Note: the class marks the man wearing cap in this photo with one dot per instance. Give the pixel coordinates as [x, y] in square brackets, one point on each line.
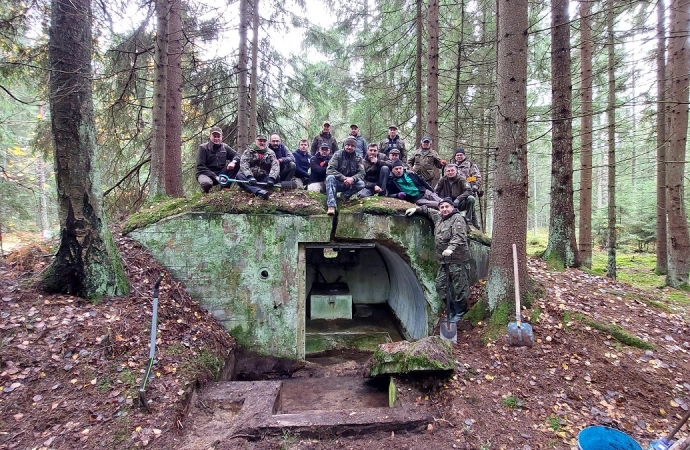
[376, 171]
[345, 173]
[324, 136]
[317, 168]
[213, 158]
[302, 158]
[361, 147]
[470, 171]
[258, 164]
[426, 163]
[454, 185]
[410, 187]
[284, 156]
[392, 156]
[450, 238]
[393, 141]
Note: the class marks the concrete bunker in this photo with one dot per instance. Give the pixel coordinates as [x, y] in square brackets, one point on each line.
[256, 273]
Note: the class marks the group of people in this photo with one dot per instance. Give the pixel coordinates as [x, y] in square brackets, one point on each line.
[358, 168]
[364, 170]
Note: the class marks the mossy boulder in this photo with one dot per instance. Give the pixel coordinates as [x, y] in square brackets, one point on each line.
[430, 354]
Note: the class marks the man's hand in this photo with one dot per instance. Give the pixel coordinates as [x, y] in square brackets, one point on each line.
[251, 181]
[374, 159]
[348, 181]
[377, 189]
[447, 252]
[271, 182]
[444, 162]
[402, 195]
[231, 165]
[410, 212]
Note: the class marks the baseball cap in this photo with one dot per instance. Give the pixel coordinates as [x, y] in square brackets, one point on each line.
[392, 127]
[216, 130]
[426, 138]
[261, 137]
[394, 150]
[325, 144]
[327, 123]
[354, 125]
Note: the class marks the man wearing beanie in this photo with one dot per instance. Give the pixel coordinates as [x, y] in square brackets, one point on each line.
[410, 187]
[450, 238]
[361, 145]
[470, 171]
[426, 163]
[214, 157]
[344, 174]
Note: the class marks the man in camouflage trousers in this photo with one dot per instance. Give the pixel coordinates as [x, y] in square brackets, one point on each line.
[258, 163]
[450, 237]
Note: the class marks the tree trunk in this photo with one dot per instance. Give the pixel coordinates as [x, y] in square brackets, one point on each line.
[611, 128]
[419, 30]
[562, 246]
[242, 129]
[173, 105]
[432, 76]
[585, 237]
[87, 263]
[679, 67]
[510, 183]
[661, 143]
[160, 82]
[254, 78]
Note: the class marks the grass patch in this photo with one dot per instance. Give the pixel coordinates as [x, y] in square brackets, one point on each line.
[615, 331]
[512, 402]
[498, 322]
[554, 423]
[536, 244]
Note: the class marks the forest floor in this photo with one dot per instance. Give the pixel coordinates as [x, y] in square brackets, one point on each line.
[71, 370]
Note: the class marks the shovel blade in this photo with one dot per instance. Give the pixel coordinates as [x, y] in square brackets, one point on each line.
[520, 335]
[449, 331]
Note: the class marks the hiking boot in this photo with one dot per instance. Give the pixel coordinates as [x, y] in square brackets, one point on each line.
[263, 194]
[331, 211]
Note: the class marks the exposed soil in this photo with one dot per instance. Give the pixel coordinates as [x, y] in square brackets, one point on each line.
[71, 370]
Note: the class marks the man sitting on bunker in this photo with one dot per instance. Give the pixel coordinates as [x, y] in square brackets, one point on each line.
[345, 173]
[213, 158]
[410, 187]
[258, 164]
[450, 238]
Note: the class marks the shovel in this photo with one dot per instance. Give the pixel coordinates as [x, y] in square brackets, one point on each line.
[449, 330]
[519, 334]
[152, 351]
[666, 442]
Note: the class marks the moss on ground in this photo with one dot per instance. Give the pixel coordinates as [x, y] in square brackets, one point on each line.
[615, 331]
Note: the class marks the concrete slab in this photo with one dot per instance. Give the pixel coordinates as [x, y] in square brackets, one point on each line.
[252, 409]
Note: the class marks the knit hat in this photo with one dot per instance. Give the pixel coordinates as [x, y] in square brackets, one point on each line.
[446, 200]
[350, 141]
[397, 163]
[459, 150]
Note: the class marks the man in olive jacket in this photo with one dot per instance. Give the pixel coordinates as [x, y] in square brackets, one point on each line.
[213, 158]
[450, 238]
[345, 173]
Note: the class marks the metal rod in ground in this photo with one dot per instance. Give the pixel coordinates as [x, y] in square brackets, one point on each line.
[152, 351]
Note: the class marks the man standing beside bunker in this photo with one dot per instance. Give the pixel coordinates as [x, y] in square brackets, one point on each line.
[450, 238]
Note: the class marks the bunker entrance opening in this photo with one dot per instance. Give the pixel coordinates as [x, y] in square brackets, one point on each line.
[357, 296]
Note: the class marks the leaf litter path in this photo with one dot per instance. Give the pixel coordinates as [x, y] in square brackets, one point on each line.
[70, 369]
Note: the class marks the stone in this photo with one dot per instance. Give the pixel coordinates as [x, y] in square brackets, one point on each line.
[430, 354]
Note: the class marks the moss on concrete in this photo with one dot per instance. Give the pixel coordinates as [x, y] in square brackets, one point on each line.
[428, 354]
[230, 201]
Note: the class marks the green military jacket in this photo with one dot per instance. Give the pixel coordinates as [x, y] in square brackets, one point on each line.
[449, 232]
[258, 164]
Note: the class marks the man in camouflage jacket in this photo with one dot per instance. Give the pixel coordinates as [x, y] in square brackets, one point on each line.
[258, 164]
[450, 238]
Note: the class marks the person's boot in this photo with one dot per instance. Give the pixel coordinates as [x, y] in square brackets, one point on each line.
[475, 223]
[263, 194]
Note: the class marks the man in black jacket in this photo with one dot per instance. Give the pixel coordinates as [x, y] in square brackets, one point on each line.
[410, 187]
[215, 157]
[324, 136]
[318, 164]
[376, 172]
[285, 158]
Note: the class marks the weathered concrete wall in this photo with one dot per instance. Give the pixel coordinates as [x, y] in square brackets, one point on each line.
[249, 270]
